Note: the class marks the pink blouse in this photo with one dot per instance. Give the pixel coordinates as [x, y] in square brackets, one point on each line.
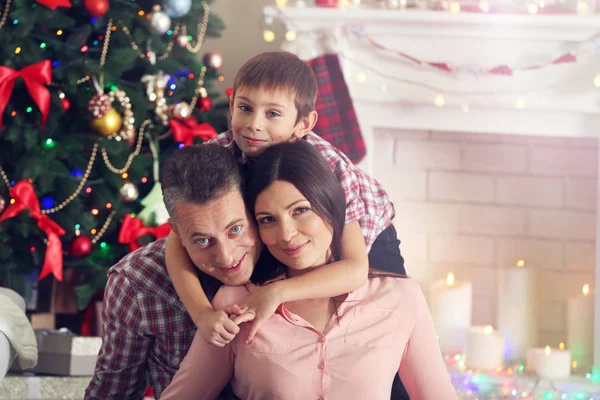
[380, 329]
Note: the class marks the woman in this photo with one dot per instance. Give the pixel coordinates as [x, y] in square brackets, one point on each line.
[342, 348]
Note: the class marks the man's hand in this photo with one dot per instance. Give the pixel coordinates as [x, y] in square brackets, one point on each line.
[217, 328]
[259, 306]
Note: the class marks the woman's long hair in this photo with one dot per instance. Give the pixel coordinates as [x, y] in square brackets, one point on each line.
[300, 164]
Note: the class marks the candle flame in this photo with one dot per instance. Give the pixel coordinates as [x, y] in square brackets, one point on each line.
[586, 289]
[547, 350]
[488, 330]
[561, 346]
[450, 279]
[520, 264]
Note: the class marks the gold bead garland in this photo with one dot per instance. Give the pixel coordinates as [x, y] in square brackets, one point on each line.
[5, 13]
[131, 156]
[104, 227]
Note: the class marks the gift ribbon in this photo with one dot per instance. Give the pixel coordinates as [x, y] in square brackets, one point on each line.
[133, 228]
[189, 129]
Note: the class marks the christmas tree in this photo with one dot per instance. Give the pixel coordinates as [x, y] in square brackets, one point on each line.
[94, 95]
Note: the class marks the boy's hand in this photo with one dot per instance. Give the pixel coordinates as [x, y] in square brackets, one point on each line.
[259, 306]
[217, 328]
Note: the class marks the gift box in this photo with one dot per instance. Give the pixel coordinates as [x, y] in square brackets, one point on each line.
[65, 354]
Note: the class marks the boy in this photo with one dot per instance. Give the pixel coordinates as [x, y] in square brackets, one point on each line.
[274, 101]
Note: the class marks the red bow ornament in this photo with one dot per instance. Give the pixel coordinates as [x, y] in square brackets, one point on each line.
[133, 228]
[52, 4]
[24, 196]
[35, 76]
[189, 129]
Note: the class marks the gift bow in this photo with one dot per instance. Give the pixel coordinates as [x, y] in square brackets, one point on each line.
[52, 4]
[190, 128]
[35, 76]
[133, 228]
[24, 196]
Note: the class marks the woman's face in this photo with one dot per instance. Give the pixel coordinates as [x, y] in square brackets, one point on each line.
[296, 235]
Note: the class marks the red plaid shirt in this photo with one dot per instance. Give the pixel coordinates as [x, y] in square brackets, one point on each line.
[147, 331]
[366, 201]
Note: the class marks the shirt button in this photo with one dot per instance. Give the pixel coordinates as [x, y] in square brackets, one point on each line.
[321, 365]
[321, 339]
[177, 352]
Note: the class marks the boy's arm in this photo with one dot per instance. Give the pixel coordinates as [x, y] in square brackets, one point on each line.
[335, 279]
[214, 326]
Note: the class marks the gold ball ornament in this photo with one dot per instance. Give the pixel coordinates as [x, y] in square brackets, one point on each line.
[109, 124]
[129, 192]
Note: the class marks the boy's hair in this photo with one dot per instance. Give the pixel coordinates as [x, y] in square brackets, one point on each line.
[199, 174]
[280, 70]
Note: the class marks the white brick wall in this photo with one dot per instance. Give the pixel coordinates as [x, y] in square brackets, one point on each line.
[471, 203]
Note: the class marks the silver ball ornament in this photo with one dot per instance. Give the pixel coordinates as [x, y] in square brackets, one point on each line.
[213, 59]
[160, 21]
[177, 8]
[129, 192]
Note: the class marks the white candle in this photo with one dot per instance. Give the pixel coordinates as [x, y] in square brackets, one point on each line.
[516, 309]
[580, 327]
[484, 348]
[450, 304]
[549, 363]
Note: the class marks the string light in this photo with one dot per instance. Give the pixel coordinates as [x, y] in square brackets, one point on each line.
[88, 190]
[281, 3]
[17, 50]
[12, 201]
[84, 49]
[42, 45]
[141, 13]
[93, 231]
[597, 80]
[50, 143]
[520, 103]
[532, 8]
[361, 77]
[109, 205]
[29, 109]
[454, 7]
[144, 180]
[95, 211]
[268, 35]
[484, 6]
[290, 36]
[221, 78]
[12, 114]
[103, 245]
[583, 7]
[439, 100]
[124, 175]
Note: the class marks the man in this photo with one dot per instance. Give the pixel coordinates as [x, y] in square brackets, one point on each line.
[147, 331]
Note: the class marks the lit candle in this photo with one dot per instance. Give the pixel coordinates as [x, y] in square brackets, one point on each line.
[484, 348]
[516, 309]
[580, 326]
[549, 363]
[450, 304]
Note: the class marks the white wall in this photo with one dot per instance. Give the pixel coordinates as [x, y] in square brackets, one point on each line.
[474, 203]
[243, 35]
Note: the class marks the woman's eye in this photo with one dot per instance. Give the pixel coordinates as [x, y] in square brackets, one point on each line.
[300, 210]
[265, 220]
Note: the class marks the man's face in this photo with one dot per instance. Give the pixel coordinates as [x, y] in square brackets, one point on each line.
[261, 118]
[220, 238]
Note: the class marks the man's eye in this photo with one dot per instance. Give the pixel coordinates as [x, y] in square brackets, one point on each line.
[202, 241]
[236, 229]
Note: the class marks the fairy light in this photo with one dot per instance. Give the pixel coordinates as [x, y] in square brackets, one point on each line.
[281, 3]
[14, 113]
[84, 49]
[454, 7]
[88, 190]
[50, 143]
[103, 245]
[59, 32]
[484, 6]
[520, 264]
[361, 77]
[268, 35]
[583, 7]
[144, 180]
[93, 231]
[221, 78]
[141, 13]
[32, 249]
[95, 211]
[439, 100]
[42, 45]
[561, 346]
[109, 205]
[124, 175]
[585, 289]
[12, 201]
[597, 80]
[29, 109]
[17, 50]
[290, 36]
[520, 103]
[532, 8]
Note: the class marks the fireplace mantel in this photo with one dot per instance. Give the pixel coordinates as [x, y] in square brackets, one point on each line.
[391, 92]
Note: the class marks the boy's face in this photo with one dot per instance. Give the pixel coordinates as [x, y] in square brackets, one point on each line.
[261, 118]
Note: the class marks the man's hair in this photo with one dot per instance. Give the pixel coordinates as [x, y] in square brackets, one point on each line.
[280, 70]
[199, 174]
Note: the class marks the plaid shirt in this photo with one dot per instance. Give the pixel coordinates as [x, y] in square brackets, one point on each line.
[147, 331]
[366, 201]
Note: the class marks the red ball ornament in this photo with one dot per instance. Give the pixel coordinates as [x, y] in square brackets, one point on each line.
[80, 247]
[205, 104]
[96, 8]
[66, 104]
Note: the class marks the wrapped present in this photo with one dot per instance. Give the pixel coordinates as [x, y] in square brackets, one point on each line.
[43, 387]
[63, 353]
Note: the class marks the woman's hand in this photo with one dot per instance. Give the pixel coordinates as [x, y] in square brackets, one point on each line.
[259, 306]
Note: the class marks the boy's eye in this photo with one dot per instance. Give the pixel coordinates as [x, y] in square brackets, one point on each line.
[244, 108]
[273, 114]
[236, 229]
